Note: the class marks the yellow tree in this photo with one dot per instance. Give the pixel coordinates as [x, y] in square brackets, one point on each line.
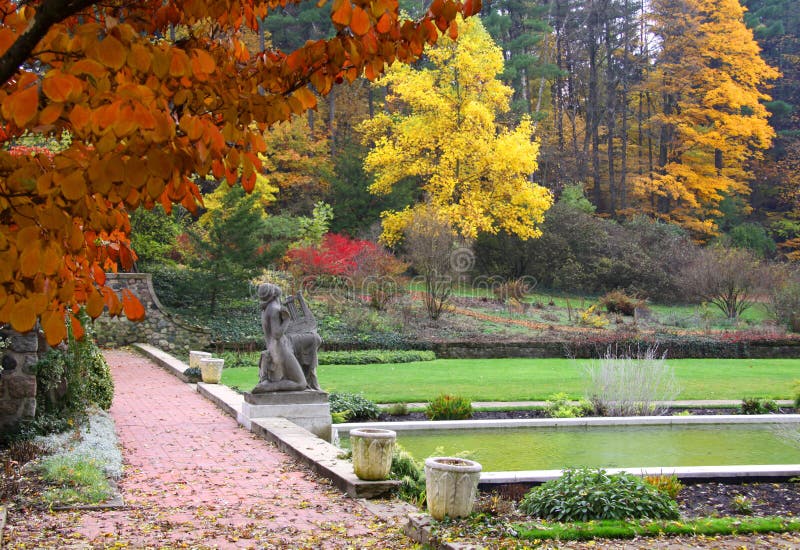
[146, 114]
[710, 78]
[441, 129]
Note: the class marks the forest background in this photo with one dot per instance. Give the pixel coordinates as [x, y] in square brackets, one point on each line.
[661, 126]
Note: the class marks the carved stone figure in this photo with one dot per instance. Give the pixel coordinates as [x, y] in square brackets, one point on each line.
[290, 361]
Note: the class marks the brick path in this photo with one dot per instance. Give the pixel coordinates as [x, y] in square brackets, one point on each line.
[195, 479]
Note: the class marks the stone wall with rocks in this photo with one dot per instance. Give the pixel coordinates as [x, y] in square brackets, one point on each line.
[160, 328]
[18, 377]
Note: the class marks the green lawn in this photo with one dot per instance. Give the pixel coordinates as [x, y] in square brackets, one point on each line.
[535, 379]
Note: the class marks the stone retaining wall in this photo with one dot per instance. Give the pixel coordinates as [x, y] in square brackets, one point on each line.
[18, 378]
[160, 328]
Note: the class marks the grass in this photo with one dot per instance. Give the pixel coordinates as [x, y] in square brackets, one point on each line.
[74, 480]
[627, 530]
[535, 379]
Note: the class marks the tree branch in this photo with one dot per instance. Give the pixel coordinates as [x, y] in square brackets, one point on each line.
[48, 14]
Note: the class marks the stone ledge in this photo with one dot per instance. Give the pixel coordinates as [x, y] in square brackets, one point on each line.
[163, 359]
[321, 456]
[226, 399]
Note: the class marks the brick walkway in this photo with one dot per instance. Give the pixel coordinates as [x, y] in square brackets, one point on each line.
[195, 479]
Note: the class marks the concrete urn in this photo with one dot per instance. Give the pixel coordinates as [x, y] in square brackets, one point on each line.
[372, 452]
[211, 370]
[451, 485]
[195, 356]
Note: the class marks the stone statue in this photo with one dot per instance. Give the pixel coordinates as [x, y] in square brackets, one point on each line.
[290, 361]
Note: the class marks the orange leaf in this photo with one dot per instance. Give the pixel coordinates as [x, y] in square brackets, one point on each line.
[94, 305]
[51, 113]
[134, 310]
[111, 53]
[23, 315]
[342, 11]
[139, 58]
[384, 24]
[203, 61]
[54, 328]
[73, 187]
[126, 256]
[80, 117]
[98, 274]
[77, 327]
[360, 22]
[30, 261]
[178, 63]
[59, 86]
[22, 106]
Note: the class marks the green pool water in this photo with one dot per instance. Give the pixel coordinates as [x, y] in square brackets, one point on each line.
[605, 446]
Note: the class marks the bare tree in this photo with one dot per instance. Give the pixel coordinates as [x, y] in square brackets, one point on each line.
[429, 244]
[729, 278]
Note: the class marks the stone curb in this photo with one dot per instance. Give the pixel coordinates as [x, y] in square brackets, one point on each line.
[163, 359]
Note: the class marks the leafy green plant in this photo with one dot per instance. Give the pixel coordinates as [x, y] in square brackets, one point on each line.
[588, 494]
[742, 505]
[397, 409]
[193, 374]
[71, 380]
[449, 407]
[559, 405]
[340, 417]
[796, 388]
[758, 405]
[359, 407]
[74, 480]
[669, 485]
[411, 475]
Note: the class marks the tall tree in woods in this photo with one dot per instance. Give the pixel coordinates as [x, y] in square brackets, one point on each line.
[441, 129]
[520, 28]
[776, 189]
[711, 122]
[145, 114]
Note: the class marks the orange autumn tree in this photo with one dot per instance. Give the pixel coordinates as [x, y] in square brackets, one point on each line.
[712, 122]
[145, 114]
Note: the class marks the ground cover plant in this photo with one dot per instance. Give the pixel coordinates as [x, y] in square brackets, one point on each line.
[536, 379]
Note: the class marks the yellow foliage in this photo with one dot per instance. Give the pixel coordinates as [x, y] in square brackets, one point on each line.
[713, 121]
[442, 130]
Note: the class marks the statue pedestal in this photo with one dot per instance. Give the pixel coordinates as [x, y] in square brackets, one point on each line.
[308, 409]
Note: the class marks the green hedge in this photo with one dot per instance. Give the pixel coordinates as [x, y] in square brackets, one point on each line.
[369, 357]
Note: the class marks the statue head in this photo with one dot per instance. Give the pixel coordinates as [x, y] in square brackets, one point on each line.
[268, 292]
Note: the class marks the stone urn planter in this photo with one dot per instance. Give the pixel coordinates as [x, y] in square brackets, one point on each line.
[451, 485]
[372, 452]
[211, 370]
[195, 356]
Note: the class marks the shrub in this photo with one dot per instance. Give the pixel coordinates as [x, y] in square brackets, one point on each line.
[359, 406]
[587, 494]
[559, 405]
[449, 407]
[630, 384]
[367, 357]
[70, 380]
[784, 299]
[397, 409]
[758, 405]
[411, 475]
[669, 485]
[193, 374]
[742, 505]
[515, 289]
[617, 301]
[591, 318]
[728, 278]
